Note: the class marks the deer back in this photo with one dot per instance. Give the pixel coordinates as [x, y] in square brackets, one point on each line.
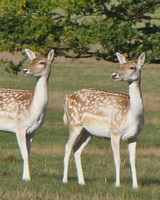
[90, 106]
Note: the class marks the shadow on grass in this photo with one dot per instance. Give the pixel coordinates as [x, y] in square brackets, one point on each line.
[11, 158]
[149, 181]
[71, 179]
[3, 173]
[146, 181]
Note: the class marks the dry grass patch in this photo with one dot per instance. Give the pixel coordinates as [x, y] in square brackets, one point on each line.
[47, 150]
[148, 151]
[151, 103]
[59, 150]
[83, 61]
[93, 150]
[56, 99]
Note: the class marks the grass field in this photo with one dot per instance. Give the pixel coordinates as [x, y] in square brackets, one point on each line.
[46, 161]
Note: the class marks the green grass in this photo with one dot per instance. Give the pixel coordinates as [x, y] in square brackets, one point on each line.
[46, 161]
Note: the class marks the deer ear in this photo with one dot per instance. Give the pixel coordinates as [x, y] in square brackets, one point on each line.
[30, 54]
[50, 55]
[141, 60]
[121, 58]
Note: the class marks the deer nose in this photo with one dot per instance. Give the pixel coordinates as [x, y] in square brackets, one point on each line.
[114, 75]
[25, 71]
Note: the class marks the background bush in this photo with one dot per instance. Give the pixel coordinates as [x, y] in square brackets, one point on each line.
[83, 28]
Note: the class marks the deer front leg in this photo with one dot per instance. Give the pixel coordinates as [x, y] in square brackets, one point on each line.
[21, 139]
[132, 155]
[115, 143]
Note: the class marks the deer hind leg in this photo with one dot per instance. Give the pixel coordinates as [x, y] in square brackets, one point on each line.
[29, 138]
[74, 133]
[132, 155]
[21, 139]
[115, 143]
[81, 143]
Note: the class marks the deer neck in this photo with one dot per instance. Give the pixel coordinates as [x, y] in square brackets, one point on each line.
[136, 101]
[40, 97]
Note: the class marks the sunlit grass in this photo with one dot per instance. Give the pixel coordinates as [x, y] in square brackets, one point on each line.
[46, 161]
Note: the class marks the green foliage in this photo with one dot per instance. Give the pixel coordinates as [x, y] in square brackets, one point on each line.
[125, 26]
[27, 24]
[13, 68]
[72, 27]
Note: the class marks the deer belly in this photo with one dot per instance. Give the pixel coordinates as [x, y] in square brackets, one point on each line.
[7, 125]
[96, 125]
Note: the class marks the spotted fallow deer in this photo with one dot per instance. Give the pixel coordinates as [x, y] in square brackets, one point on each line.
[23, 112]
[90, 112]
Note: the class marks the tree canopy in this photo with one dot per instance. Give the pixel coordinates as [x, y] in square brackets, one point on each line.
[83, 28]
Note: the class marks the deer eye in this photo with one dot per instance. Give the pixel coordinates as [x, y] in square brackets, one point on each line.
[132, 67]
[41, 62]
